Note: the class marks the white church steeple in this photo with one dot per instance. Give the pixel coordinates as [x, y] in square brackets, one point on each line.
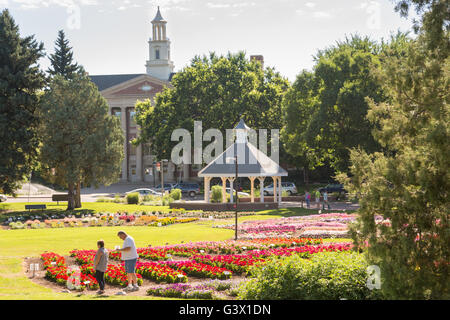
[159, 65]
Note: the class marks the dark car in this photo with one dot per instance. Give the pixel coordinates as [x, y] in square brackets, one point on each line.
[331, 188]
[192, 189]
[167, 187]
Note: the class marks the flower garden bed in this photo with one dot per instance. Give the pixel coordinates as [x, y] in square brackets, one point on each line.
[206, 272]
[331, 225]
[86, 219]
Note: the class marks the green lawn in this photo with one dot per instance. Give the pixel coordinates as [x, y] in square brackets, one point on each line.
[15, 245]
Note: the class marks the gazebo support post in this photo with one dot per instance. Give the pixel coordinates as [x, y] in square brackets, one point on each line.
[280, 197]
[261, 188]
[275, 184]
[224, 190]
[231, 190]
[252, 188]
[207, 187]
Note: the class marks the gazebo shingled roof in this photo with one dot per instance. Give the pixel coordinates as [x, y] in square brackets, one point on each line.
[252, 164]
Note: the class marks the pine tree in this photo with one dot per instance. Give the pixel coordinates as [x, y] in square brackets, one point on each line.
[407, 186]
[62, 60]
[20, 81]
[81, 139]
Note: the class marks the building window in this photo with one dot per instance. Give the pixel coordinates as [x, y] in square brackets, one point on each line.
[133, 170]
[146, 150]
[116, 112]
[132, 149]
[131, 119]
[157, 54]
[149, 171]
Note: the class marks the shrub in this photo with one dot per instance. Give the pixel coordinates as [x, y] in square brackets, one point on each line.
[326, 276]
[175, 194]
[167, 200]
[216, 194]
[118, 199]
[133, 198]
[17, 225]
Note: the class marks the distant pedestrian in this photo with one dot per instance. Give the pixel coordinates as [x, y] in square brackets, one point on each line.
[317, 196]
[129, 256]
[100, 265]
[325, 200]
[308, 199]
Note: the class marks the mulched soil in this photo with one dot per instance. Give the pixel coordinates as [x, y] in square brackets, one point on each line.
[38, 277]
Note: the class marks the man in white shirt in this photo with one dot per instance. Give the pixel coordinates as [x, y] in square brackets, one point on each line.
[129, 256]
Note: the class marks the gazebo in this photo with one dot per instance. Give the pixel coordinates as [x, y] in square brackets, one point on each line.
[251, 163]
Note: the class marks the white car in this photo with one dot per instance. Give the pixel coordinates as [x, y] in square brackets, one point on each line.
[288, 187]
[3, 198]
[145, 192]
[241, 194]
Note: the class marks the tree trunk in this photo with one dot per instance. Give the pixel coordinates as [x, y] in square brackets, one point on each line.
[71, 202]
[78, 196]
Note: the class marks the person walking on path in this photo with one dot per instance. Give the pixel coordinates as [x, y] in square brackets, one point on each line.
[317, 195]
[307, 198]
[100, 265]
[129, 256]
[325, 200]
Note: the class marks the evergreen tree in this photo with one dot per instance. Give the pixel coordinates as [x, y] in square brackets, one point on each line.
[62, 64]
[408, 185]
[20, 81]
[81, 139]
[62, 60]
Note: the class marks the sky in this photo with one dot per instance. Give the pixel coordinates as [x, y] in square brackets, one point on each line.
[111, 36]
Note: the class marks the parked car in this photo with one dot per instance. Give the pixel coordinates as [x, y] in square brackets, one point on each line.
[241, 194]
[145, 192]
[167, 187]
[288, 187]
[3, 198]
[331, 188]
[192, 189]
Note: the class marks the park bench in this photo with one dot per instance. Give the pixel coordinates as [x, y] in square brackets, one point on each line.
[60, 197]
[35, 207]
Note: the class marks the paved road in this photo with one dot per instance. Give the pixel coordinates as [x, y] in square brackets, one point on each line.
[92, 194]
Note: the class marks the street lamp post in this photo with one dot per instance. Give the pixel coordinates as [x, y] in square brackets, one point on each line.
[235, 159]
[237, 201]
[162, 175]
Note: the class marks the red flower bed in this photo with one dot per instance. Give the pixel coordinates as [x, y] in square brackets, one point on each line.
[116, 275]
[127, 218]
[152, 254]
[61, 275]
[83, 256]
[115, 255]
[159, 272]
[201, 270]
[52, 259]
